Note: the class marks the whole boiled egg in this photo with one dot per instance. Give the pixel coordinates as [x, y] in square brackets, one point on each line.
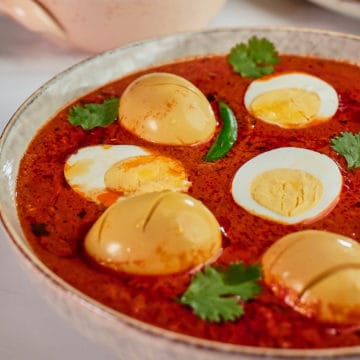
[103, 173]
[317, 273]
[291, 100]
[166, 109]
[156, 233]
[288, 185]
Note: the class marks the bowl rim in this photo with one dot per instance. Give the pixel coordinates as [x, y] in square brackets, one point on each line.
[152, 331]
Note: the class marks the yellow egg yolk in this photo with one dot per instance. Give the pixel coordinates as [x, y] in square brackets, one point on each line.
[143, 174]
[287, 107]
[288, 192]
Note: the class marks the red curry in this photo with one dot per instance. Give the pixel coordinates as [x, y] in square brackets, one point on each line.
[55, 219]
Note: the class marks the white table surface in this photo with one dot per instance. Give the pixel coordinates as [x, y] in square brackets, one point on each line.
[29, 328]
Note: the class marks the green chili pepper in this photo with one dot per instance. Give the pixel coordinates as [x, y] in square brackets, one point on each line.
[227, 136]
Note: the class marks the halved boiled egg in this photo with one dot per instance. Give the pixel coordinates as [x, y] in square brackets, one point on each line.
[288, 185]
[142, 174]
[291, 100]
[317, 273]
[103, 173]
[166, 109]
[155, 234]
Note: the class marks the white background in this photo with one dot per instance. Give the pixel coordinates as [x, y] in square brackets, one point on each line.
[29, 328]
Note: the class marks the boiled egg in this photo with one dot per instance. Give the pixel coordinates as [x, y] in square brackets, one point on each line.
[291, 100]
[103, 173]
[288, 185]
[317, 273]
[166, 109]
[155, 234]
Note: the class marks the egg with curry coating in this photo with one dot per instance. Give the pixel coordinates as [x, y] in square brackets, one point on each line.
[156, 233]
[317, 273]
[164, 108]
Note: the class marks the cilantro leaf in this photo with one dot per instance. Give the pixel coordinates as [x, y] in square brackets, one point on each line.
[348, 145]
[247, 274]
[90, 115]
[254, 59]
[214, 294]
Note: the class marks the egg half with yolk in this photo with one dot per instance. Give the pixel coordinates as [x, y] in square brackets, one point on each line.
[103, 173]
[288, 185]
[156, 233]
[317, 273]
[291, 100]
[166, 109]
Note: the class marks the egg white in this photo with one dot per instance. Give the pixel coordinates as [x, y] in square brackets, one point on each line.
[329, 101]
[312, 162]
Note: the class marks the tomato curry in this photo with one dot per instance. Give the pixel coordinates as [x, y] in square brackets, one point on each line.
[55, 219]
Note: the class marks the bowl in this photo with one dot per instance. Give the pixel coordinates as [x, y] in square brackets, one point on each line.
[345, 7]
[101, 25]
[129, 337]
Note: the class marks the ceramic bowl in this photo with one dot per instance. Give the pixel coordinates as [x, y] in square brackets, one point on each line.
[129, 338]
[345, 7]
[99, 25]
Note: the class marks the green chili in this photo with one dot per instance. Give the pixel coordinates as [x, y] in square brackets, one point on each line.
[227, 136]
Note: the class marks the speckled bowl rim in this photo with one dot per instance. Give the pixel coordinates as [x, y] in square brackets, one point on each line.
[155, 332]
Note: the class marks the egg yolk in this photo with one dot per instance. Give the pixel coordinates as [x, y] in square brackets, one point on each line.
[288, 192]
[155, 234]
[293, 107]
[142, 174]
[317, 273]
[166, 109]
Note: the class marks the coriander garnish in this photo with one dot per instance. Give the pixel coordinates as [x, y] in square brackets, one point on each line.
[348, 145]
[254, 59]
[216, 294]
[93, 115]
